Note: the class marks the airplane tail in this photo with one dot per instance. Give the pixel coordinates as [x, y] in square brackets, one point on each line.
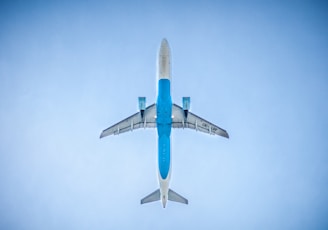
[172, 196]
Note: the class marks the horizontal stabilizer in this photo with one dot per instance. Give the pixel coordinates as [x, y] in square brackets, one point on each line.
[173, 196]
[155, 196]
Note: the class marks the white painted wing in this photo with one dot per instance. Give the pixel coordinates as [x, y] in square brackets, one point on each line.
[194, 122]
[135, 121]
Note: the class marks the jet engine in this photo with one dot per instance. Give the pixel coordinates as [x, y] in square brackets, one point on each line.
[186, 106]
[142, 105]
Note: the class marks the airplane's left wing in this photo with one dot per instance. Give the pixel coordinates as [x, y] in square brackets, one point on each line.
[186, 119]
[135, 121]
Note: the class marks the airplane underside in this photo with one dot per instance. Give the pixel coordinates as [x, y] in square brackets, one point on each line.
[164, 115]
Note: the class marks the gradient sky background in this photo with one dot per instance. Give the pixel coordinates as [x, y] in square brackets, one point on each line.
[70, 69]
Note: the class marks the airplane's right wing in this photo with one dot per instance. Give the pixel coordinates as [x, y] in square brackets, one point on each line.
[135, 121]
[192, 121]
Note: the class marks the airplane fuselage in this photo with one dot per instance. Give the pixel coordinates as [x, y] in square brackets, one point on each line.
[164, 120]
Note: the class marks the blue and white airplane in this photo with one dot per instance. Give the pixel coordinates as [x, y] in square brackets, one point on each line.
[164, 115]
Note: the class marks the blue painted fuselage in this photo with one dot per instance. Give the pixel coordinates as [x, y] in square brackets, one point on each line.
[164, 121]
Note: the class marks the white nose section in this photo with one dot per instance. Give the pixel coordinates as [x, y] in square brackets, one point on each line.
[164, 61]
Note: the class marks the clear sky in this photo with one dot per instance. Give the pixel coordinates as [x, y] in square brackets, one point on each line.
[69, 69]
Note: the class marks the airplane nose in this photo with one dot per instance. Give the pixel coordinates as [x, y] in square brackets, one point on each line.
[164, 64]
[164, 40]
[164, 47]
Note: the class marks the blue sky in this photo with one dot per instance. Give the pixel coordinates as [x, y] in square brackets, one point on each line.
[258, 69]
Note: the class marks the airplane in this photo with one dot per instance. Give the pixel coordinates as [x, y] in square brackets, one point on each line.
[164, 115]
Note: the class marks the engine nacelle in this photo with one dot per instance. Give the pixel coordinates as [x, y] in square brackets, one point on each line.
[186, 105]
[142, 105]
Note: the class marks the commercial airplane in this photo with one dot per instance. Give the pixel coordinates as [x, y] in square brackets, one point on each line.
[164, 115]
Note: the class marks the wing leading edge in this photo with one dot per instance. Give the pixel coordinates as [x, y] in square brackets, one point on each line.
[192, 121]
[135, 121]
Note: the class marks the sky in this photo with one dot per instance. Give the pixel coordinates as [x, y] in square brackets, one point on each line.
[69, 69]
